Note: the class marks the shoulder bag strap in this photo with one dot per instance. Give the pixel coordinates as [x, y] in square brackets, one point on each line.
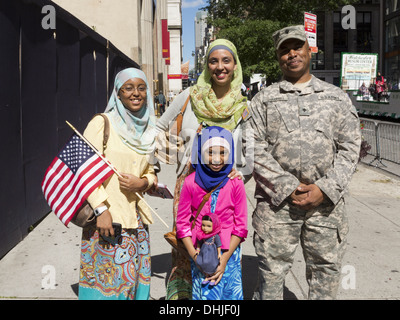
[106, 130]
[205, 199]
[179, 117]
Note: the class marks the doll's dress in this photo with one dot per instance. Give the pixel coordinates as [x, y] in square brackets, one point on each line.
[207, 259]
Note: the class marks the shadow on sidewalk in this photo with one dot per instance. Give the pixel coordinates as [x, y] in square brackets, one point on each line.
[250, 274]
[161, 264]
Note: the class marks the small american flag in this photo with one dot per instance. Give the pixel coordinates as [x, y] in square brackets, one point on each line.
[72, 176]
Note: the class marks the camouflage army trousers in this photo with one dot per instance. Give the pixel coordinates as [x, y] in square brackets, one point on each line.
[322, 235]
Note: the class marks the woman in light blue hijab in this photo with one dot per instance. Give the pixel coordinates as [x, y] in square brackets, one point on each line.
[130, 112]
[136, 129]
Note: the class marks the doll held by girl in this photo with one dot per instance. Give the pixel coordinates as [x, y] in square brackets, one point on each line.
[209, 246]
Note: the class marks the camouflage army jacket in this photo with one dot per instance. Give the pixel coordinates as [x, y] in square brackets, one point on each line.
[310, 135]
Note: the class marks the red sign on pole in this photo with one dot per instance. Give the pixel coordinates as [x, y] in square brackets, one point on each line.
[310, 27]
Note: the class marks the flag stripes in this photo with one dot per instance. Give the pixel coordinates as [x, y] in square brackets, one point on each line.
[66, 186]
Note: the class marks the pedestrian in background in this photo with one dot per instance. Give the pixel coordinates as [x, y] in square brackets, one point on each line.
[380, 86]
[119, 267]
[306, 136]
[161, 102]
[216, 99]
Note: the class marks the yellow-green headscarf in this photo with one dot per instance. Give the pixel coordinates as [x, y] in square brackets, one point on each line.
[204, 102]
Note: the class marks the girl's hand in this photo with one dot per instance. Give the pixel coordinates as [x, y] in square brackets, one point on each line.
[217, 276]
[131, 183]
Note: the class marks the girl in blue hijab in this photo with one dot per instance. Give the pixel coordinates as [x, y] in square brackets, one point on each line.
[213, 136]
[213, 159]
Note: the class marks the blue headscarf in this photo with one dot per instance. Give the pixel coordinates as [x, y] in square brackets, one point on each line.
[204, 176]
[136, 129]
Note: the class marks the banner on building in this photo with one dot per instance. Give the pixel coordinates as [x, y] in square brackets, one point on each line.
[185, 70]
[165, 38]
[174, 76]
[168, 60]
[310, 27]
[358, 68]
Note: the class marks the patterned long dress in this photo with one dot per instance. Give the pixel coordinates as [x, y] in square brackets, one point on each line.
[179, 285]
[229, 288]
[117, 269]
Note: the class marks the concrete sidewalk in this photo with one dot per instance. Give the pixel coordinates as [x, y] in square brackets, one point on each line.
[45, 265]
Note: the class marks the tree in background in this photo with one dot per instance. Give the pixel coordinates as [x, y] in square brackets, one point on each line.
[249, 24]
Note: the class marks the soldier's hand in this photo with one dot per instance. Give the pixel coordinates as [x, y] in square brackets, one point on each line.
[298, 195]
[235, 174]
[314, 197]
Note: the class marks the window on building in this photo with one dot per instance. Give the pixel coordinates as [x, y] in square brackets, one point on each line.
[392, 6]
[336, 81]
[364, 32]
[392, 49]
[337, 60]
[392, 35]
[318, 59]
[340, 39]
[370, 1]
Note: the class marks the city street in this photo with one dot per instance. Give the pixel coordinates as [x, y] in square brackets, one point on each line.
[45, 265]
[65, 60]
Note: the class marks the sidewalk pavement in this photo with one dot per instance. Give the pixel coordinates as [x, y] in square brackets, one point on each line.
[45, 265]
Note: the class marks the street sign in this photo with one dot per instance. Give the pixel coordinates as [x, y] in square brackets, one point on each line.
[310, 27]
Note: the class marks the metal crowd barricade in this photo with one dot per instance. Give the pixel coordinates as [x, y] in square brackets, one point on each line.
[389, 141]
[384, 139]
[369, 134]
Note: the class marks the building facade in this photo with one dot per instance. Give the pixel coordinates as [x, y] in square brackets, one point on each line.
[200, 26]
[204, 35]
[333, 39]
[134, 27]
[175, 44]
[376, 31]
[391, 38]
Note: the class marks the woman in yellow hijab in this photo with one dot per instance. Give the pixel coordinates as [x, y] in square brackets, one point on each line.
[215, 100]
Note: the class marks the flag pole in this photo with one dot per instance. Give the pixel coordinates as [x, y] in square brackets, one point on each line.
[113, 168]
[141, 198]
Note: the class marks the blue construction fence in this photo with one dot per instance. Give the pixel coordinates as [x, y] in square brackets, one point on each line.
[47, 76]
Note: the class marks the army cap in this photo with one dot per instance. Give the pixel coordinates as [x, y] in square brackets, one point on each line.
[292, 32]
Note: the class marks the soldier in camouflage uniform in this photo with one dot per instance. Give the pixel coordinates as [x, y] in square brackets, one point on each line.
[306, 136]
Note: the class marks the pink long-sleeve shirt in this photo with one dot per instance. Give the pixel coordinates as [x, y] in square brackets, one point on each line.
[231, 209]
